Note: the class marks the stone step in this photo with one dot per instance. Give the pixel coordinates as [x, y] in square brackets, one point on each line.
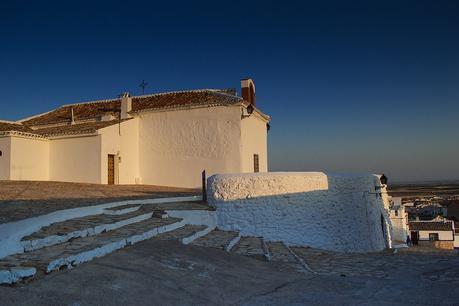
[123, 209]
[279, 252]
[79, 250]
[181, 233]
[217, 239]
[250, 246]
[61, 232]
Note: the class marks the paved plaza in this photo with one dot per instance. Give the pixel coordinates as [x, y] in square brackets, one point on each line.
[159, 272]
[21, 200]
[138, 255]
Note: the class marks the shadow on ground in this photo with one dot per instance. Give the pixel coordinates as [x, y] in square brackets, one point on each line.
[166, 272]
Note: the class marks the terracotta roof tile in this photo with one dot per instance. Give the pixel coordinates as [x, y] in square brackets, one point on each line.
[430, 226]
[80, 111]
[186, 98]
[96, 109]
[81, 128]
[9, 126]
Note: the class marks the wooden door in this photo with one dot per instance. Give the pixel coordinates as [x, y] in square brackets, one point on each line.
[111, 169]
[414, 237]
[256, 163]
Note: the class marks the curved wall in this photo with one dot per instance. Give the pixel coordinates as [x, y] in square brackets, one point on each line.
[328, 211]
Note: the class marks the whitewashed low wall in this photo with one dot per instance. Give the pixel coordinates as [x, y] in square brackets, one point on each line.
[327, 211]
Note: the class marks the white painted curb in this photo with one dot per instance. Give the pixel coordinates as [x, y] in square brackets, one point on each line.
[190, 239]
[77, 259]
[31, 245]
[11, 233]
[233, 242]
[12, 275]
[121, 211]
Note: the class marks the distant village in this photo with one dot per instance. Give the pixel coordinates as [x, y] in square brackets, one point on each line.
[431, 221]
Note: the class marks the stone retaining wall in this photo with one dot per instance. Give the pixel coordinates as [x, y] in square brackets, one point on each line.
[446, 245]
[328, 211]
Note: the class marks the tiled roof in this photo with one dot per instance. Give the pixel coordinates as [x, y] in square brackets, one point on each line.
[185, 98]
[80, 128]
[82, 111]
[430, 226]
[45, 124]
[11, 126]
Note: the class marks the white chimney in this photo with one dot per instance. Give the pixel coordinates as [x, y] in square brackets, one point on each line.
[73, 118]
[126, 105]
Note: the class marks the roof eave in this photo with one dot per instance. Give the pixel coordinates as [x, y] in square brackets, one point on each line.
[21, 134]
[177, 108]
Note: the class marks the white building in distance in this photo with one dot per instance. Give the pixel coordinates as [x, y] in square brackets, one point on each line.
[164, 139]
[399, 220]
[439, 233]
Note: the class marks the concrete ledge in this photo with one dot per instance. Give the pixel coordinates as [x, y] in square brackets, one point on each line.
[12, 275]
[233, 242]
[121, 211]
[197, 235]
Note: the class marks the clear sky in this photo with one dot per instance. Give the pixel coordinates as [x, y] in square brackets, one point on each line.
[352, 86]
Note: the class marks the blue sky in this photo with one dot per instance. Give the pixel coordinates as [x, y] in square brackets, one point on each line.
[352, 86]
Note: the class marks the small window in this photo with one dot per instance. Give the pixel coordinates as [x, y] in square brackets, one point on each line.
[1, 153]
[256, 163]
[433, 236]
[396, 213]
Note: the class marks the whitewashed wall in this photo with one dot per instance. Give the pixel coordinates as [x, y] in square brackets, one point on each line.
[29, 159]
[333, 212]
[442, 235]
[76, 159]
[5, 159]
[175, 146]
[125, 146]
[254, 140]
[168, 148]
[398, 219]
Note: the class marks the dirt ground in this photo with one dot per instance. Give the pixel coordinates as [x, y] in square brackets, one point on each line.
[426, 189]
[158, 272]
[24, 199]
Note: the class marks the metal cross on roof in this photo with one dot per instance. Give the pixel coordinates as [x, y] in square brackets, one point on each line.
[143, 85]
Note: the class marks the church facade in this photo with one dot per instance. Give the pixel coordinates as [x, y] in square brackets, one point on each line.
[164, 139]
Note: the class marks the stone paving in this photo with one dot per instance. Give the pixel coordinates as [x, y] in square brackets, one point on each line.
[181, 233]
[279, 252]
[78, 224]
[380, 265]
[216, 239]
[42, 257]
[158, 272]
[122, 208]
[250, 246]
[25, 199]
[31, 201]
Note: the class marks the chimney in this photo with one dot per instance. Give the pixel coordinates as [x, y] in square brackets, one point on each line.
[248, 90]
[73, 117]
[126, 105]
